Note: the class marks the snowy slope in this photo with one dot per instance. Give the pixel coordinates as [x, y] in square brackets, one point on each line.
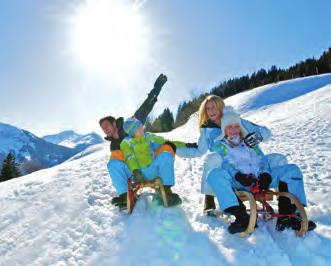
[63, 215]
[71, 139]
[28, 147]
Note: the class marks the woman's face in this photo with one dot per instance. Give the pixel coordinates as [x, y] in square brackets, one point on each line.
[232, 130]
[213, 113]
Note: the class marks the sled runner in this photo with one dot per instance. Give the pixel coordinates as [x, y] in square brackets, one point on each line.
[267, 211]
[134, 187]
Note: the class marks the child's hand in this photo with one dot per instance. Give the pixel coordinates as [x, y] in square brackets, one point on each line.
[252, 139]
[264, 180]
[138, 175]
[244, 179]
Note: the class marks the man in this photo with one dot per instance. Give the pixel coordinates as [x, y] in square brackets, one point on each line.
[113, 128]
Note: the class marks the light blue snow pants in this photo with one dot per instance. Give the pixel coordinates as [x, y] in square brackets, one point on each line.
[224, 185]
[214, 160]
[162, 166]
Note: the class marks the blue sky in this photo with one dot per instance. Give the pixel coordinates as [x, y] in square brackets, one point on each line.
[45, 88]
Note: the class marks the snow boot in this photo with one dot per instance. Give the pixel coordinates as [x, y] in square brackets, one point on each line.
[286, 207]
[242, 219]
[120, 201]
[295, 224]
[173, 198]
[209, 206]
[283, 223]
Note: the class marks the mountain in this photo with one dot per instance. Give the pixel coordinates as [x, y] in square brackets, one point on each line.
[63, 215]
[73, 140]
[31, 152]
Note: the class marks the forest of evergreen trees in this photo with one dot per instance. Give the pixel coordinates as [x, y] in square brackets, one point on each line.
[9, 168]
[311, 66]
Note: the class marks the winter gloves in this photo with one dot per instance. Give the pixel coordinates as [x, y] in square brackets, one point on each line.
[160, 81]
[252, 139]
[191, 145]
[263, 180]
[244, 179]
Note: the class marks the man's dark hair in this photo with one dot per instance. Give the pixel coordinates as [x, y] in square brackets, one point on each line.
[111, 119]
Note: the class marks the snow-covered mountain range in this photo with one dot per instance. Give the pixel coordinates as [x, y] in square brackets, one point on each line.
[30, 151]
[34, 153]
[71, 139]
[63, 215]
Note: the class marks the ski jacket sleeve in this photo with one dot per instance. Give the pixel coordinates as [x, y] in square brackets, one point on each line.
[251, 127]
[129, 157]
[147, 106]
[220, 148]
[195, 152]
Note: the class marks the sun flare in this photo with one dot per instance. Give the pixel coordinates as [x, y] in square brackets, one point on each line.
[109, 37]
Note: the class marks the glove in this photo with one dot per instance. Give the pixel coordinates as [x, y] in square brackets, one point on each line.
[244, 179]
[160, 81]
[252, 139]
[191, 145]
[138, 175]
[264, 181]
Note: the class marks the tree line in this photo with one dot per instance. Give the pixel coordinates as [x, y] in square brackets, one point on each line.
[10, 168]
[311, 66]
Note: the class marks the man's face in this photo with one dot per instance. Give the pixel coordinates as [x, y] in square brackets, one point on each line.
[232, 130]
[109, 129]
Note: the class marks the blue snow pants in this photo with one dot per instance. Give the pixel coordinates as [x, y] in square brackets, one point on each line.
[224, 185]
[162, 166]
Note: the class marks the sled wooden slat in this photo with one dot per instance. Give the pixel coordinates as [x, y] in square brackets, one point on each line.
[253, 210]
[155, 184]
[268, 196]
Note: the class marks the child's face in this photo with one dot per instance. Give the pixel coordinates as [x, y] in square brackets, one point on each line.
[232, 130]
[139, 132]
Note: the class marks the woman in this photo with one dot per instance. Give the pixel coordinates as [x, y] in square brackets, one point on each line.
[210, 115]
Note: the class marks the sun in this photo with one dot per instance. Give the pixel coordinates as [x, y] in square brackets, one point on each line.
[108, 36]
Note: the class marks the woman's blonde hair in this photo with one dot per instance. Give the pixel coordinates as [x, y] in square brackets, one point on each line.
[203, 116]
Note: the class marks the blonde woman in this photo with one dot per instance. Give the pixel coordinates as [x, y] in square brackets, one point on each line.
[210, 115]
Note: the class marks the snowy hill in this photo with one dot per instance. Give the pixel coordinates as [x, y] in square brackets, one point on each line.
[73, 140]
[63, 215]
[29, 149]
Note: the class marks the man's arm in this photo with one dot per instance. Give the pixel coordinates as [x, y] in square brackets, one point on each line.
[147, 106]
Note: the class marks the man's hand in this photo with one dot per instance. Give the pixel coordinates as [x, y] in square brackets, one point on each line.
[160, 81]
[138, 175]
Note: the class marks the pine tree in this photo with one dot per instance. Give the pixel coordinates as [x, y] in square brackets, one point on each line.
[167, 120]
[9, 168]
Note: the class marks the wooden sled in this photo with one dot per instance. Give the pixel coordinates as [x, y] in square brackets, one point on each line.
[267, 211]
[134, 187]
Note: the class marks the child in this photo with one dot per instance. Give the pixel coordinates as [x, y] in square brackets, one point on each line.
[148, 158]
[243, 166]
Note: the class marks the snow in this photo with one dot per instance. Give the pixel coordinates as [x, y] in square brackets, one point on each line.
[71, 139]
[63, 215]
[11, 138]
